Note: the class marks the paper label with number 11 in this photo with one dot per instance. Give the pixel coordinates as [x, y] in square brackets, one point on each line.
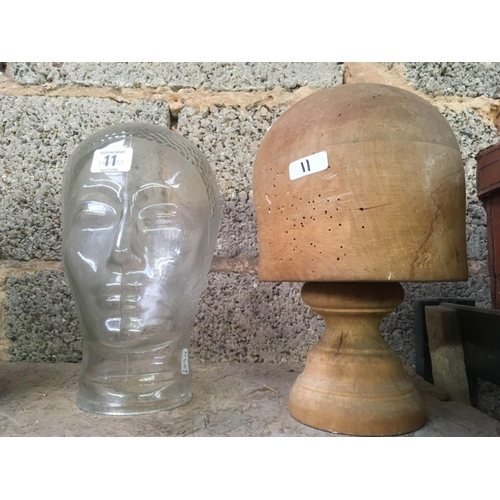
[114, 158]
[308, 165]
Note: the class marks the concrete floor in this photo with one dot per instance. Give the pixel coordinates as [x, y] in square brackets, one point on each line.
[228, 400]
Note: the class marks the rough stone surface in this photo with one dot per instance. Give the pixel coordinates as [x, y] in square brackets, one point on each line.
[470, 79]
[473, 134]
[238, 232]
[241, 319]
[477, 235]
[37, 134]
[41, 320]
[243, 399]
[211, 76]
[229, 138]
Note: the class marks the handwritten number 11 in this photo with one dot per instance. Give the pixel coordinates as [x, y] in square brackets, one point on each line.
[308, 166]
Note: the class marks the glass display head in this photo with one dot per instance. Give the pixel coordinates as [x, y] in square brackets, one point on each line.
[140, 224]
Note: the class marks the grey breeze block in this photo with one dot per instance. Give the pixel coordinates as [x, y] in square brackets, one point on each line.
[230, 138]
[229, 76]
[469, 79]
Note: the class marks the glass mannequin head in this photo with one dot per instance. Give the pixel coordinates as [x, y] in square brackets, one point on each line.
[140, 223]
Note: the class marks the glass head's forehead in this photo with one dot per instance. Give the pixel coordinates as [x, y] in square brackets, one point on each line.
[157, 173]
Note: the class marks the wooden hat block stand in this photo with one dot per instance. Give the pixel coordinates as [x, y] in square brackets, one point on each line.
[387, 206]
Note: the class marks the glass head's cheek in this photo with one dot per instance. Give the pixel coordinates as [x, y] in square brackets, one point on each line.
[79, 261]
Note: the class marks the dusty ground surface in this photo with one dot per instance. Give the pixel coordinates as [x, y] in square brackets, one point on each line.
[241, 399]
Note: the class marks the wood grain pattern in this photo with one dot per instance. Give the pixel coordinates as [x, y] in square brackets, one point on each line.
[353, 382]
[390, 206]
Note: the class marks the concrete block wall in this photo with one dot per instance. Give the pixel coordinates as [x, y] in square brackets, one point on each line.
[46, 109]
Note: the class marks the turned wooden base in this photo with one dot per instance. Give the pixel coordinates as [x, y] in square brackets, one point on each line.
[353, 382]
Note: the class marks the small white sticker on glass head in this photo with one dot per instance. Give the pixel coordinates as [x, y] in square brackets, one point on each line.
[308, 165]
[185, 362]
[114, 158]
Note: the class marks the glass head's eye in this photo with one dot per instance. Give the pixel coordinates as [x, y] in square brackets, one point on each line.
[162, 216]
[95, 215]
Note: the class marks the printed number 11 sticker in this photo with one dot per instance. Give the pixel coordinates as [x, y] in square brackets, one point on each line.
[112, 160]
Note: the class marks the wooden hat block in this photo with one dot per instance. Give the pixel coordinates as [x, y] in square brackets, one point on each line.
[387, 205]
